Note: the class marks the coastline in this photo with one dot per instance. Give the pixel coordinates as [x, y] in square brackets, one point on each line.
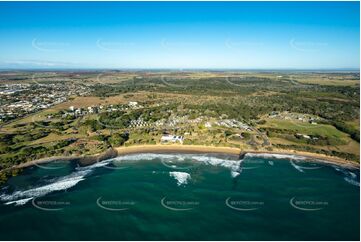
[82, 160]
[176, 148]
[313, 157]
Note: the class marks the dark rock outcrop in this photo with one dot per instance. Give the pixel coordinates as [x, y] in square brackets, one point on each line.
[89, 160]
[242, 155]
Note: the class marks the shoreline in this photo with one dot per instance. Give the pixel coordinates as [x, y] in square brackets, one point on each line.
[82, 160]
[195, 149]
[175, 148]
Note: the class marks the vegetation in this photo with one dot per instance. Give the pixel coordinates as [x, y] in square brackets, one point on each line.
[182, 103]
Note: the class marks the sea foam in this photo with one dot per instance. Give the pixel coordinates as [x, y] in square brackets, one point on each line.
[20, 201]
[352, 181]
[181, 177]
[233, 165]
[349, 177]
[21, 197]
[276, 156]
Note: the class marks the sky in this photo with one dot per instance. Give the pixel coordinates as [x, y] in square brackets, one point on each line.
[180, 35]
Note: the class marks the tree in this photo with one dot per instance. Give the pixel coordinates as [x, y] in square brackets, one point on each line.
[118, 139]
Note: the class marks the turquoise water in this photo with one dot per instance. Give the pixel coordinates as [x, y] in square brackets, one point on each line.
[183, 197]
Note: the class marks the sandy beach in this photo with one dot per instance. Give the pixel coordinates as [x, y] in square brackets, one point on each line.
[176, 148]
[173, 148]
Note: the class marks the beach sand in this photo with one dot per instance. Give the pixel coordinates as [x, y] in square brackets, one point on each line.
[177, 148]
[174, 148]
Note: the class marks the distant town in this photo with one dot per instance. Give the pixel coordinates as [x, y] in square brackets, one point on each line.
[18, 100]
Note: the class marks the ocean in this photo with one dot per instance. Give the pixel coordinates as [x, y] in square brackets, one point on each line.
[183, 197]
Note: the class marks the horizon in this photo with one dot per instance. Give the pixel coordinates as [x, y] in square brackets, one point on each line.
[60, 69]
[263, 36]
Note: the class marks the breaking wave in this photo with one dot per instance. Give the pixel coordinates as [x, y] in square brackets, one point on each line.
[19, 202]
[181, 177]
[349, 176]
[232, 164]
[234, 174]
[96, 165]
[21, 197]
[276, 156]
[352, 181]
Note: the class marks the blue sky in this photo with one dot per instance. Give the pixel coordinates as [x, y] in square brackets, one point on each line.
[235, 35]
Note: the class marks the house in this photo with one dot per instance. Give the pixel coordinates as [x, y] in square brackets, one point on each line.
[171, 138]
[306, 136]
[298, 135]
[133, 104]
[91, 110]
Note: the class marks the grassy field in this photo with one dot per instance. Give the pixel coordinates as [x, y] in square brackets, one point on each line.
[355, 124]
[346, 144]
[324, 79]
[305, 128]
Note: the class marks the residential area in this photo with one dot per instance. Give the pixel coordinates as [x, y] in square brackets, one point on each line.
[18, 100]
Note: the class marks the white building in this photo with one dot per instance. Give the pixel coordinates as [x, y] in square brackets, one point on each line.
[172, 138]
[208, 125]
[133, 104]
[91, 110]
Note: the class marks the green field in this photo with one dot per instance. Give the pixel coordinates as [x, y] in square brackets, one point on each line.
[306, 128]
